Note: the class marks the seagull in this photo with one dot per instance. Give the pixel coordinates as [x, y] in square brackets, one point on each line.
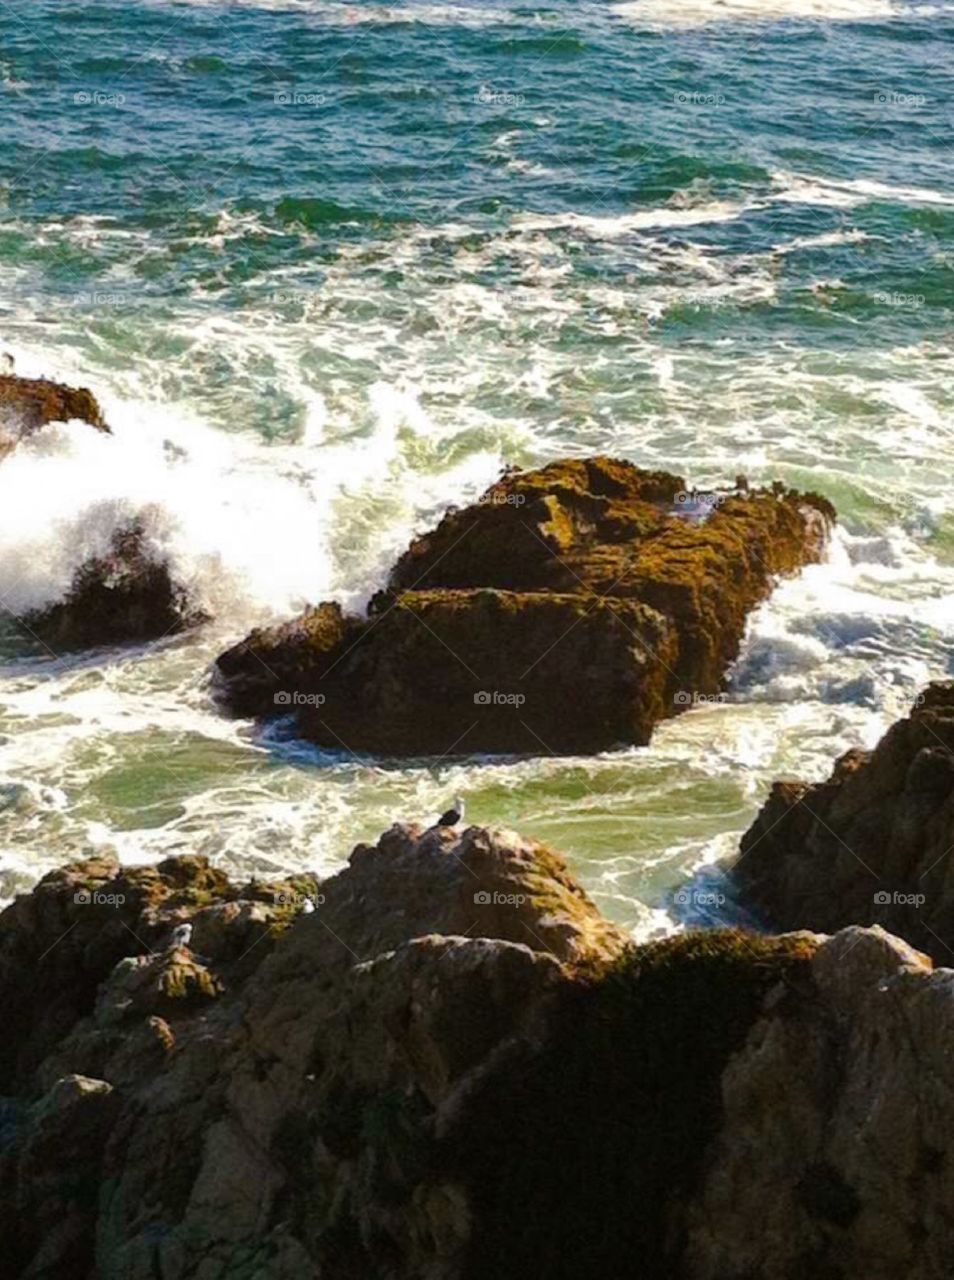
[453, 815]
[6, 363]
[182, 935]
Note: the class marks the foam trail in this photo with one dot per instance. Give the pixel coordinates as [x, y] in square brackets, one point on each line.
[868, 628]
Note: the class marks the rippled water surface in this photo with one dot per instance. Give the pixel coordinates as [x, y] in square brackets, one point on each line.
[330, 266]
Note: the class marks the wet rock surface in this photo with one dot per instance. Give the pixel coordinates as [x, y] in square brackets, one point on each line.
[124, 597]
[570, 609]
[874, 844]
[26, 404]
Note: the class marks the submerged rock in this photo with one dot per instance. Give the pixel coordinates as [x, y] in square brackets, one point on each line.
[26, 404]
[570, 609]
[382, 1085]
[872, 845]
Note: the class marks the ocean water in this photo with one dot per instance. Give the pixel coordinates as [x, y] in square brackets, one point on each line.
[330, 266]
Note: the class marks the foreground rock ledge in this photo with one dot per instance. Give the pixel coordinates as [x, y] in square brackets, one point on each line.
[570, 609]
[872, 845]
[124, 596]
[454, 1067]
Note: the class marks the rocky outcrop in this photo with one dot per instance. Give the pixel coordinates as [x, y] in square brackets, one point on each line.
[26, 404]
[833, 1156]
[122, 597]
[272, 1094]
[570, 609]
[60, 943]
[872, 845]
[453, 1067]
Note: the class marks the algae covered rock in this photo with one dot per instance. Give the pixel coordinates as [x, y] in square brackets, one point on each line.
[871, 845]
[274, 660]
[570, 609]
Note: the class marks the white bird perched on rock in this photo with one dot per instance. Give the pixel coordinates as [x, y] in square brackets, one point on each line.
[453, 815]
[182, 935]
[6, 363]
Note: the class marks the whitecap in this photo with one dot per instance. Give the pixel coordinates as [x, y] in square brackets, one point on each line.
[847, 193]
[699, 13]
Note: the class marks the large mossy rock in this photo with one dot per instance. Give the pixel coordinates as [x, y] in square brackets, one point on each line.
[570, 609]
[874, 844]
[26, 404]
[454, 1067]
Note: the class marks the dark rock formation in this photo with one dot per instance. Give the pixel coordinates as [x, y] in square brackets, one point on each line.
[276, 1120]
[833, 1156]
[125, 595]
[26, 404]
[454, 1067]
[273, 659]
[570, 609]
[119, 598]
[872, 845]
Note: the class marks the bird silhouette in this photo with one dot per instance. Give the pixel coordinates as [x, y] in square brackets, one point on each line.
[453, 815]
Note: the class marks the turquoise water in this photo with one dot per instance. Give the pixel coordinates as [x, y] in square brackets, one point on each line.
[329, 266]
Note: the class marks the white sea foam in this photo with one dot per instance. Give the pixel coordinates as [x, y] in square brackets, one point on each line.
[246, 527]
[866, 628]
[333, 13]
[824, 240]
[226, 524]
[675, 14]
[846, 193]
[607, 228]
